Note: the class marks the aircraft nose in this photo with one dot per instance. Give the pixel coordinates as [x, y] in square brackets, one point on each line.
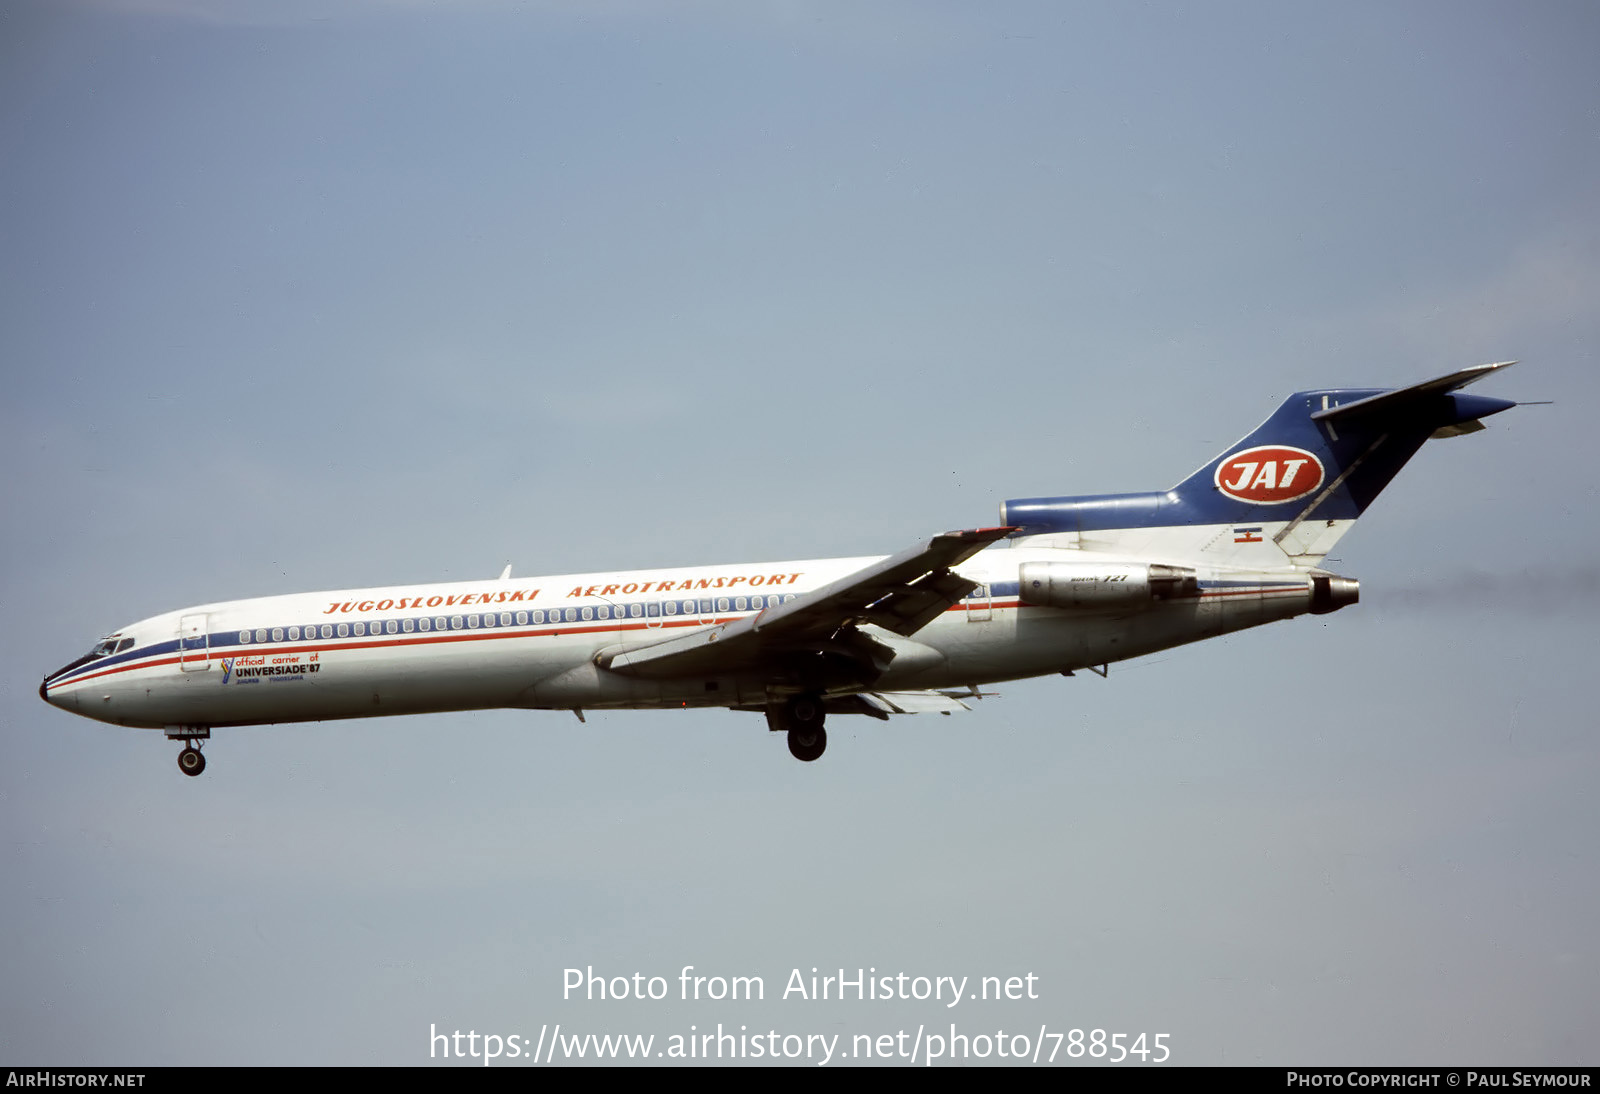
[44, 686]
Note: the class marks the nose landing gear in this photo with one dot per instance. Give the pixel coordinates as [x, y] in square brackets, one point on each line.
[191, 761]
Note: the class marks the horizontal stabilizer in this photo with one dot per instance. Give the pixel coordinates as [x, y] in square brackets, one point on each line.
[1399, 402]
[1461, 430]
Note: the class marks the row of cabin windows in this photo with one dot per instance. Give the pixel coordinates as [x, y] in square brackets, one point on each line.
[654, 609]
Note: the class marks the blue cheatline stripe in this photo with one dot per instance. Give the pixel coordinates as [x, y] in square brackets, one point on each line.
[1002, 595]
[209, 645]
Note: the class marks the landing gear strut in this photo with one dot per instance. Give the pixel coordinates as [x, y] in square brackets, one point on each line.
[802, 718]
[191, 761]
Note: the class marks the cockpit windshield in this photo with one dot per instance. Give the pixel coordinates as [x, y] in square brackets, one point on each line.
[109, 646]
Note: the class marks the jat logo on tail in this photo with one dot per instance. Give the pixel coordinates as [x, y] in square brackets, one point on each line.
[1270, 474]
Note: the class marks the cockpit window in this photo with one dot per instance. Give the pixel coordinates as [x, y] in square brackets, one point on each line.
[108, 646]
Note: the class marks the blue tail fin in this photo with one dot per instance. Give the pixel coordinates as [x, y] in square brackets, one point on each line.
[1285, 493]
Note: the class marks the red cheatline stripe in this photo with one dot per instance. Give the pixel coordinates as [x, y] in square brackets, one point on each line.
[435, 638]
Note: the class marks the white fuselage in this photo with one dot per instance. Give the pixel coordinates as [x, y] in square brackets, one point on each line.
[534, 642]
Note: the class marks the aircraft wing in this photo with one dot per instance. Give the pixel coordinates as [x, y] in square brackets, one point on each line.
[901, 593]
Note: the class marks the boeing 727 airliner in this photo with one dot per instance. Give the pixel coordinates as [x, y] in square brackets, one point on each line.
[1062, 584]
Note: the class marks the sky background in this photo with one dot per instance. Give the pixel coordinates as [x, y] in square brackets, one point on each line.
[317, 295]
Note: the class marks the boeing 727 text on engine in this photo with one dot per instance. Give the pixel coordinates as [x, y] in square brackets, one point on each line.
[1062, 584]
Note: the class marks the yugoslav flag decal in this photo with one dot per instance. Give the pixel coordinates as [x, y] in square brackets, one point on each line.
[1270, 474]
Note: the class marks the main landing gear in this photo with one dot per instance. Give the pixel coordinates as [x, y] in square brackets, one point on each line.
[802, 718]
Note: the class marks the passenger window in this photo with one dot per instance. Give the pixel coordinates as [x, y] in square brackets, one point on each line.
[488, 619]
[261, 635]
[588, 613]
[538, 615]
[740, 603]
[244, 637]
[441, 624]
[455, 622]
[390, 626]
[424, 623]
[636, 611]
[472, 622]
[672, 607]
[522, 619]
[722, 604]
[344, 630]
[277, 634]
[652, 609]
[408, 625]
[572, 614]
[327, 630]
[294, 634]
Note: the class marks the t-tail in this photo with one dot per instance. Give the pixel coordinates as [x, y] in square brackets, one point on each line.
[1281, 496]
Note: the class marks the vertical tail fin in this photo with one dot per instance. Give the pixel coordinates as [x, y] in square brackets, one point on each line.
[1285, 493]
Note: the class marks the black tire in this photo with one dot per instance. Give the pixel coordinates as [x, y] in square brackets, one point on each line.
[191, 761]
[808, 744]
[805, 712]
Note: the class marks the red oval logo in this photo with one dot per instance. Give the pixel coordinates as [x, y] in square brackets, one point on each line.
[1270, 474]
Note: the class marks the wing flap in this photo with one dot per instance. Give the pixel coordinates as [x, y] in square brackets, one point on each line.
[914, 702]
[901, 593]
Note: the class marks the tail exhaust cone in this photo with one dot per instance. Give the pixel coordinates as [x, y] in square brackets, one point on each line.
[1329, 593]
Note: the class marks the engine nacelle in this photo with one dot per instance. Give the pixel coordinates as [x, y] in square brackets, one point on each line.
[1112, 585]
[1329, 593]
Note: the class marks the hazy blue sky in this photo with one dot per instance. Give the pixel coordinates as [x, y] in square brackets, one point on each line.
[316, 295]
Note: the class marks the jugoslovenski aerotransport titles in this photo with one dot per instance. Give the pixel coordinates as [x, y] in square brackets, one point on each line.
[1062, 584]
